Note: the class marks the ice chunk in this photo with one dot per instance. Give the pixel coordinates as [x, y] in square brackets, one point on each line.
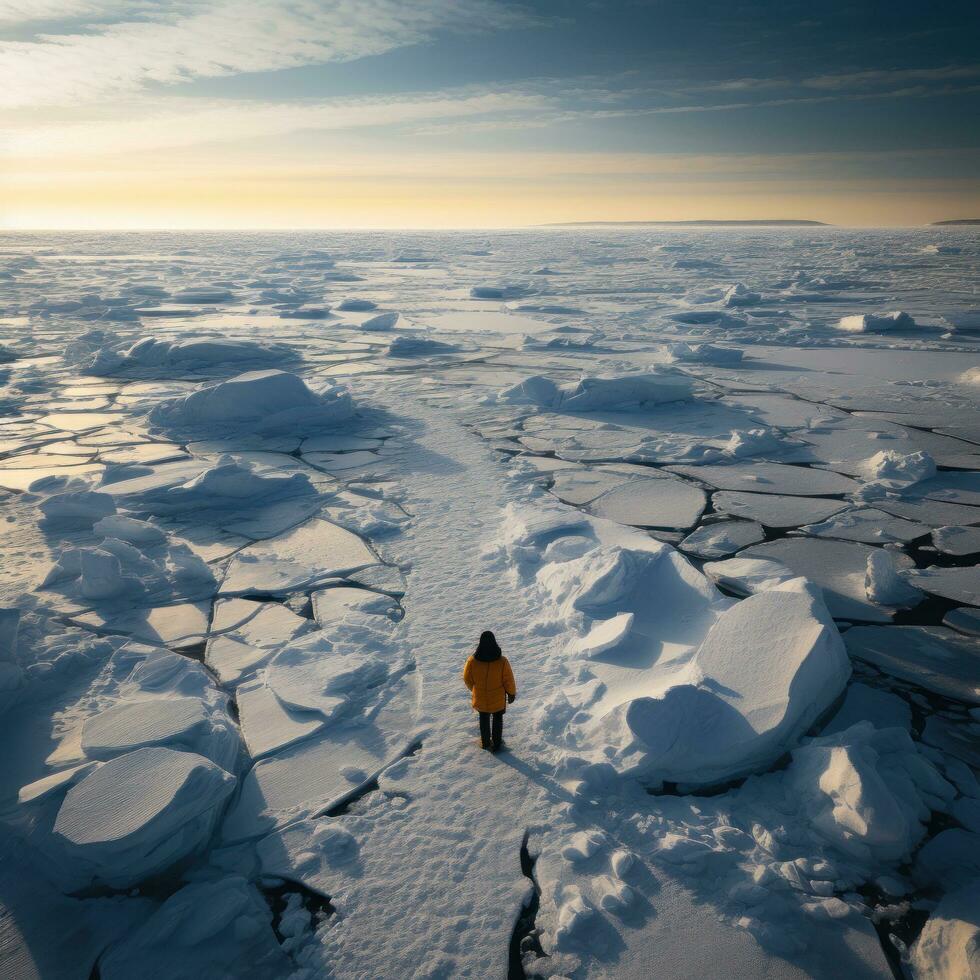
[312, 674]
[662, 502]
[740, 295]
[838, 567]
[948, 948]
[955, 539]
[207, 929]
[703, 354]
[76, 508]
[775, 510]
[768, 668]
[934, 657]
[866, 791]
[747, 576]
[876, 322]
[776, 478]
[262, 402]
[309, 778]
[407, 346]
[722, 538]
[151, 357]
[185, 723]
[381, 322]
[958, 584]
[901, 469]
[884, 586]
[267, 724]
[299, 558]
[616, 392]
[867, 524]
[141, 813]
[605, 635]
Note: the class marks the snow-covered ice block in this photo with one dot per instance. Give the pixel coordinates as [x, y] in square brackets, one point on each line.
[775, 510]
[268, 725]
[867, 791]
[190, 724]
[152, 357]
[207, 929]
[315, 853]
[948, 948]
[747, 576]
[767, 669]
[76, 508]
[346, 605]
[180, 625]
[320, 674]
[703, 354]
[410, 346]
[140, 813]
[876, 322]
[296, 559]
[617, 392]
[884, 586]
[262, 402]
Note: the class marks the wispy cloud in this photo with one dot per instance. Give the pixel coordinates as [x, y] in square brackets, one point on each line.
[178, 123]
[221, 37]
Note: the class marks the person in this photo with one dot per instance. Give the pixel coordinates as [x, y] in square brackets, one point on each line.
[489, 677]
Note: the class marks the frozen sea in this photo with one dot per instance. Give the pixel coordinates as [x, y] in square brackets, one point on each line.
[716, 491]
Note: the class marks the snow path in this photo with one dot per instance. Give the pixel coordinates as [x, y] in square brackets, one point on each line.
[436, 885]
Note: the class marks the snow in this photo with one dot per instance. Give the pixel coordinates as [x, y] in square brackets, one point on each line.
[265, 402]
[304, 556]
[219, 928]
[727, 715]
[600, 393]
[949, 944]
[140, 813]
[876, 322]
[331, 550]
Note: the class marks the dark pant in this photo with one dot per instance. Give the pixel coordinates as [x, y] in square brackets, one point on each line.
[497, 718]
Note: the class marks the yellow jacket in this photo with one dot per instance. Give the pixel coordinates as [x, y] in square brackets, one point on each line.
[489, 681]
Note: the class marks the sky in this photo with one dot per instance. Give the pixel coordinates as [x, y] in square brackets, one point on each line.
[485, 113]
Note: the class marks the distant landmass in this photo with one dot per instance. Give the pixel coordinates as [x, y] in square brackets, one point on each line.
[959, 221]
[760, 222]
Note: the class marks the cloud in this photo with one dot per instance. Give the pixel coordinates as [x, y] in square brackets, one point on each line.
[869, 79]
[178, 123]
[221, 37]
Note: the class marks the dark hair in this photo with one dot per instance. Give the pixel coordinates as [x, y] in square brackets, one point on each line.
[487, 648]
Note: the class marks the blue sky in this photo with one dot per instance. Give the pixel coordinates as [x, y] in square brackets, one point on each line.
[376, 112]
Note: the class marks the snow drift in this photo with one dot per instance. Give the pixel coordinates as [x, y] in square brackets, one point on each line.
[263, 402]
[600, 393]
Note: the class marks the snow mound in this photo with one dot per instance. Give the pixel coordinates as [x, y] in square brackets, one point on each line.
[768, 668]
[230, 484]
[896, 469]
[118, 572]
[75, 509]
[601, 393]
[406, 346]
[208, 929]
[876, 322]
[740, 295]
[262, 402]
[948, 948]
[684, 353]
[381, 322]
[152, 356]
[139, 814]
[868, 792]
